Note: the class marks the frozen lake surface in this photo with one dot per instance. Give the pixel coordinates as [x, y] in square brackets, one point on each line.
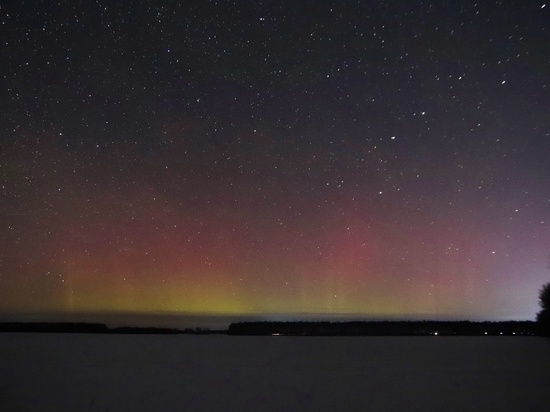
[87, 372]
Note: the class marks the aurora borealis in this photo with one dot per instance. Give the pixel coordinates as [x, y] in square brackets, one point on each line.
[376, 159]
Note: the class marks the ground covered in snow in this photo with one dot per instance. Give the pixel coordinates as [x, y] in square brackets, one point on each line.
[93, 372]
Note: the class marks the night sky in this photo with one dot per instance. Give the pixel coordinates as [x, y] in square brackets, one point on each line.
[372, 159]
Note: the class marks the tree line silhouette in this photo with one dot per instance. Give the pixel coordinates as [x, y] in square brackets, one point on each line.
[384, 328]
[356, 328]
[79, 327]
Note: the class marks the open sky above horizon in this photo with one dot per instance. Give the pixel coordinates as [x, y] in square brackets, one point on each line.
[374, 158]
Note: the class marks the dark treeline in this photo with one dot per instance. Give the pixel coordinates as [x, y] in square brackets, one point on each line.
[69, 327]
[384, 328]
[60, 327]
[356, 328]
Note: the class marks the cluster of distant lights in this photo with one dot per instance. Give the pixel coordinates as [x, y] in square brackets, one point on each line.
[433, 334]
[487, 333]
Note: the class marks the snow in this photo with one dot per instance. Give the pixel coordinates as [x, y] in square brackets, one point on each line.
[87, 372]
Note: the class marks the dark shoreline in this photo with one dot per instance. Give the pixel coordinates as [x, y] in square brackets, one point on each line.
[386, 328]
[297, 328]
[101, 328]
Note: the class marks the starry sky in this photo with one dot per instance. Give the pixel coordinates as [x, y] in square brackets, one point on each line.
[371, 159]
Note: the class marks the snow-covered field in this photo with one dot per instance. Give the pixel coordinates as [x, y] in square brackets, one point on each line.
[86, 372]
